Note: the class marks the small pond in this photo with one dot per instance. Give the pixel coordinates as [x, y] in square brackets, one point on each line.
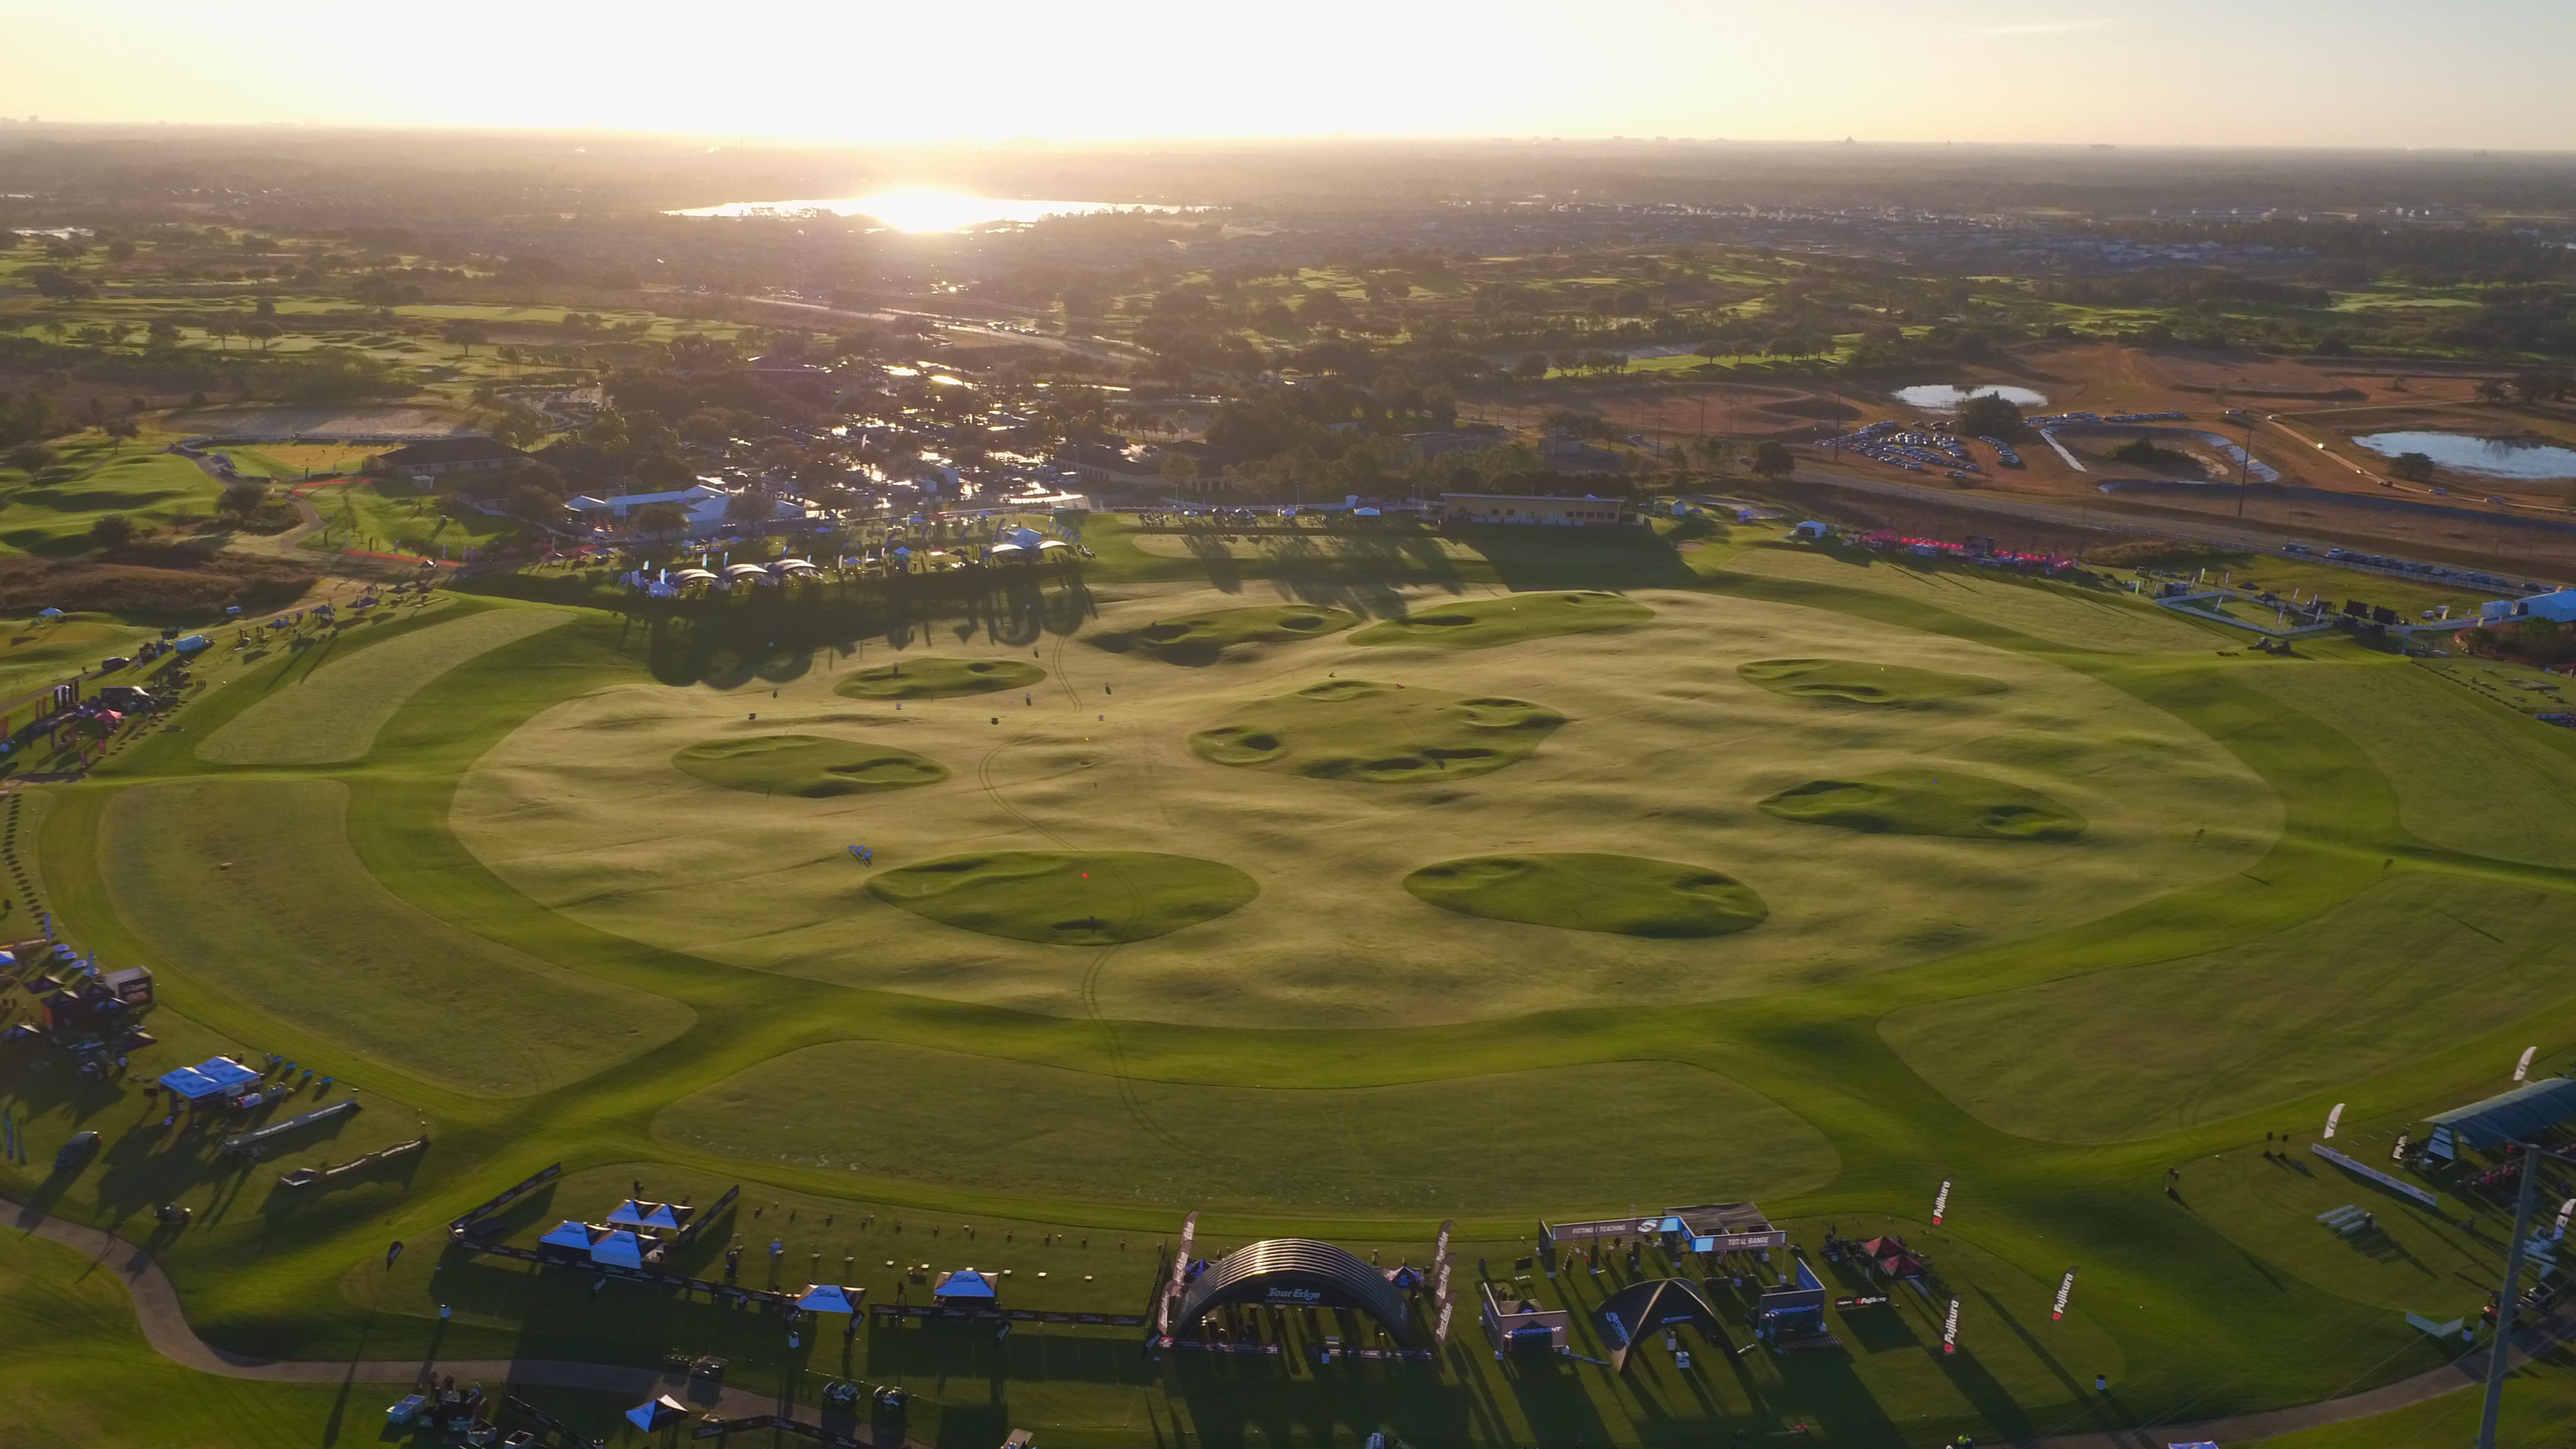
[2486, 457]
[1945, 397]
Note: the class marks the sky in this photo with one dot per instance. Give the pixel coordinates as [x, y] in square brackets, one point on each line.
[2357, 73]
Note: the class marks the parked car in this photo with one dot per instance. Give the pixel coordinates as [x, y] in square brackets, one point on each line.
[77, 1152]
[113, 663]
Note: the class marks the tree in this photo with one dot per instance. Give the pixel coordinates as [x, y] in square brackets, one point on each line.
[33, 458]
[1529, 367]
[242, 499]
[164, 333]
[466, 335]
[1989, 415]
[1180, 472]
[222, 332]
[518, 427]
[1772, 459]
[261, 332]
[2491, 390]
[122, 429]
[750, 505]
[112, 530]
[655, 518]
[2413, 467]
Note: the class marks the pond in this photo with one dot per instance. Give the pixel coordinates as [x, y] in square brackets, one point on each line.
[2486, 457]
[921, 209]
[1946, 397]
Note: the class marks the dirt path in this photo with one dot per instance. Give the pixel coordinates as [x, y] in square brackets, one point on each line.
[165, 1327]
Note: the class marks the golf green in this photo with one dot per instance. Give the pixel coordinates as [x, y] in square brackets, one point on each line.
[1851, 681]
[1927, 802]
[930, 677]
[1065, 898]
[1352, 729]
[1481, 623]
[1626, 895]
[807, 765]
[1200, 638]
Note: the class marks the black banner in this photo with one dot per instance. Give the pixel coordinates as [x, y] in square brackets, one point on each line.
[552, 1171]
[1002, 1315]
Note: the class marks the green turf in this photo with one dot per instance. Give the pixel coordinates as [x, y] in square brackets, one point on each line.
[1067, 898]
[53, 514]
[1351, 729]
[1199, 638]
[2119, 1055]
[36, 653]
[1480, 623]
[1852, 681]
[252, 884]
[331, 711]
[1622, 894]
[808, 765]
[1925, 802]
[1514, 1142]
[929, 677]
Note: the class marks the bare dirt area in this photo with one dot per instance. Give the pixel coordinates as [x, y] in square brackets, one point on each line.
[254, 423]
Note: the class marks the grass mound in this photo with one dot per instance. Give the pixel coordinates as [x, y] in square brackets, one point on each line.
[1351, 729]
[1200, 638]
[1064, 898]
[1483, 623]
[1922, 802]
[1625, 895]
[807, 765]
[1854, 682]
[933, 678]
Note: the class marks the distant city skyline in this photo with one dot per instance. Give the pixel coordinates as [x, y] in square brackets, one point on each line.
[2473, 74]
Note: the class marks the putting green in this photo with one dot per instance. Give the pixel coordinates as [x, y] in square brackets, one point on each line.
[807, 765]
[1623, 894]
[250, 889]
[1851, 681]
[1200, 638]
[1480, 623]
[1351, 729]
[1927, 802]
[1064, 898]
[330, 716]
[2126, 1054]
[930, 677]
[1546, 1140]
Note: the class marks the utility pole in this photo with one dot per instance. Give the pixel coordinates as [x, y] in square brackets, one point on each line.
[2502, 1355]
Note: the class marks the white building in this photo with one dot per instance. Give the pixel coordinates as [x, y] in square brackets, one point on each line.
[704, 502]
[1519, 508]
[2557, 608]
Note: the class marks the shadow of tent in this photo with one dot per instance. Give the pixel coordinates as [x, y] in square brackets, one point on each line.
[1639, 1309]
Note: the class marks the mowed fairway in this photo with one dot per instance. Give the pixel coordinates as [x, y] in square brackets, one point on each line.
[1515, 1141]
[1664, 741]
[2135, 1053]
[330, 714]
[253, 886]
[1484, 623]
[1382, 734]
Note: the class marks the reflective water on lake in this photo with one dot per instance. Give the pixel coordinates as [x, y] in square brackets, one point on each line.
[1945, 397]
[2486, 457]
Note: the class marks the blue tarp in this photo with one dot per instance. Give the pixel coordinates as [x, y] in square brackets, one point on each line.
[2513, 1116]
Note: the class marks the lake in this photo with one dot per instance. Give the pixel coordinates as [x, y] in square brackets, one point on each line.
[1946, 397]
[2486, 457]
[922, 209]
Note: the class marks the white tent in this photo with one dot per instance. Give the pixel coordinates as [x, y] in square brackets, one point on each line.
[691, 576]
[1053, 543]
[827, 1298]
[744, 571]
[1009, 551]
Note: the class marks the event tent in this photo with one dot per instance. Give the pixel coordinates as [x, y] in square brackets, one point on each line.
[620, 1249]
[827, 1298]
[633, 1214]
[2512, 1116]
[657, 1413]
[965, 1283]
[212, 1077]
[569, 1234]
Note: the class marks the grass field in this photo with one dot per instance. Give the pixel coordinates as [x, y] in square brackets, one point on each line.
[1201, 638]
[506, 910]
[1351, 729]
[35, 653]
[54, 512]
[807, 765]
[330, 713]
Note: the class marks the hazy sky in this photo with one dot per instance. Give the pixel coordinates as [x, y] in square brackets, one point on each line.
[2443, 73]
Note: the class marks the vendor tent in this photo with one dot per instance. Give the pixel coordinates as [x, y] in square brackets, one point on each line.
[666, 1217]
[826, 1298]
[2513, 1116]
[569, 1234]
[633, 1214]
[213, 1077]
[620, 1249]
[657, 1413]
[964, 1285]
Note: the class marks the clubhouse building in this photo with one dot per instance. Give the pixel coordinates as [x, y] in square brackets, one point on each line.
[1542, 511]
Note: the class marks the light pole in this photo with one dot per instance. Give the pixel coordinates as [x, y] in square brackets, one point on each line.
[2501, 1356]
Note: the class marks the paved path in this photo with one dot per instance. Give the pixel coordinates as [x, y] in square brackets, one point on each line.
[165, 1327]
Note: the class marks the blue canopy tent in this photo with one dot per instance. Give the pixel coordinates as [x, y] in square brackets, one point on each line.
[657, 1413]
[964, 1286]
[827, 1298]
[213, 1077]
[570, 1236]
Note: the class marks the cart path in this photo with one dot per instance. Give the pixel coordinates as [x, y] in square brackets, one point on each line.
[165, 1327]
